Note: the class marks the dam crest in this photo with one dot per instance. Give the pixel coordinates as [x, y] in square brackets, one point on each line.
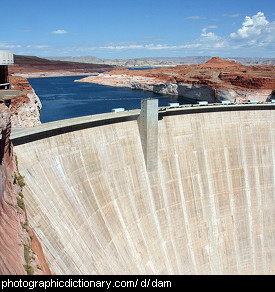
[172, 190]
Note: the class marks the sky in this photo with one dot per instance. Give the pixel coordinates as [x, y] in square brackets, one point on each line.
[138, 28]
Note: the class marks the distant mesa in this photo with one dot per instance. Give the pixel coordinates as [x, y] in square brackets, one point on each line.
[218, 62]
[44, 67]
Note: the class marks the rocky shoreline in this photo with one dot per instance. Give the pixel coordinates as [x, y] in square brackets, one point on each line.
[51, 74]
[213, 81]
[192, 91]
[25, 106]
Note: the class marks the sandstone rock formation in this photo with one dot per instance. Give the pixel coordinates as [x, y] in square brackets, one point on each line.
[20, 250]
[213, 81]
[26, 106]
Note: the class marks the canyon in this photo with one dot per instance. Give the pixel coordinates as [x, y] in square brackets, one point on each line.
[212, 81]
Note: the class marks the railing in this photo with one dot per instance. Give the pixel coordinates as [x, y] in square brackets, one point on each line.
[6, 85]
[223, 103]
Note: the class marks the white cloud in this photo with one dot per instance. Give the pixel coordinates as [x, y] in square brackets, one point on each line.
[210, 36]
[9, 46]
[151, 47]
[35, 46]
[41, 46]
[119, 47]
[59, 31]
[220, 44]
[255, 36]
[25, 30]
[231, 15]
[207, 27]
[194, 17]
[255, 30]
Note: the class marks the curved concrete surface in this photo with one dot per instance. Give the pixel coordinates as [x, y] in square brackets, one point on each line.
[207, 209]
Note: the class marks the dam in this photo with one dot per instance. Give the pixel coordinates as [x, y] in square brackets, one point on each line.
[201, 200]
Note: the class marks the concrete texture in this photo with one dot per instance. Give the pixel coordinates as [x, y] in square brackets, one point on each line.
[207, 209]
[148, 131]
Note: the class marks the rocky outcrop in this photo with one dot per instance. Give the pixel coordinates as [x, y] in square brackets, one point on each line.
[20, 251]
[26, 106]
[213, 81]
[26, 110]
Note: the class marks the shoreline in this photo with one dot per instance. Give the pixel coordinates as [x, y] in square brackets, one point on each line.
[213, 81]
[201, 92]
[51, 74]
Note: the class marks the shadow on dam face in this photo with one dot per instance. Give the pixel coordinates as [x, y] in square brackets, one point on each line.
[208, 207]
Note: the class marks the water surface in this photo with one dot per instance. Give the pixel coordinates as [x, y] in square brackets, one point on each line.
[62, 98]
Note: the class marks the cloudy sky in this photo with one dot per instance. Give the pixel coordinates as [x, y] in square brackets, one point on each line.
[138, 28]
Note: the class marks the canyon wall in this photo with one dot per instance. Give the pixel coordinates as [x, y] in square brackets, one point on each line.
[193, 91]
[213, 81]
[208, 208]
[202, 92]
[20, 250]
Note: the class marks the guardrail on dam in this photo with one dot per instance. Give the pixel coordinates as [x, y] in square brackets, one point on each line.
[99, 206]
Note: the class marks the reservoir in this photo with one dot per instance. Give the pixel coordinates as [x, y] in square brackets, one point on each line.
[62, 98]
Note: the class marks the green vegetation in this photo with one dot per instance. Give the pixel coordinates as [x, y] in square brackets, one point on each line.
[19, 179]
[29, 269]
[20, 203]
[28, 253]
[38, 267]
[16, 160]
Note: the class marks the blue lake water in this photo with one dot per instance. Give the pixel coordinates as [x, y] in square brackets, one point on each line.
[62, 98]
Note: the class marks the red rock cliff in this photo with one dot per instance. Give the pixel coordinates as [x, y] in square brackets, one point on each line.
[26, 106]
[214, 80]
[20, 251]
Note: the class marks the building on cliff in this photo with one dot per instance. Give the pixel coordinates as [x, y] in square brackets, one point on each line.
[6, 58]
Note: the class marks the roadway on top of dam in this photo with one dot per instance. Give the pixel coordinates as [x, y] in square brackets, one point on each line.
[25, 135]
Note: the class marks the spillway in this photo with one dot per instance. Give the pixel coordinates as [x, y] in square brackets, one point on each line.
[206, 208]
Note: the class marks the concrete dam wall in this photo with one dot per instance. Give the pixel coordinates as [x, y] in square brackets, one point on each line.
[207, 207]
